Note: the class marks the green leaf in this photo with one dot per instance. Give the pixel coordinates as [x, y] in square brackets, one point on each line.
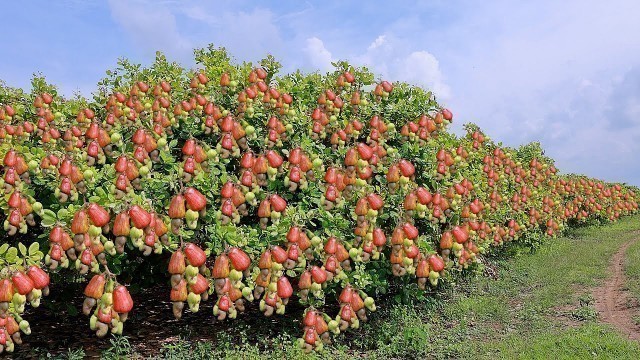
[63, 213]
[101, 193]
[23, 249]
[3, 248]
[33, 248]
[48, 218]
[47, 222]
[12, 255]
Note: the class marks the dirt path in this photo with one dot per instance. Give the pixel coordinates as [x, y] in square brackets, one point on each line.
[612, 300]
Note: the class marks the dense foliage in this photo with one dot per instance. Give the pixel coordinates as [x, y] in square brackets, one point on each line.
[245, 186]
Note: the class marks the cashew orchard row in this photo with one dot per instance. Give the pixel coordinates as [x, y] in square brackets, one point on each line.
[245, 186]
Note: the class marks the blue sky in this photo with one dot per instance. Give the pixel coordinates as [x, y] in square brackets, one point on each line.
[566, 73]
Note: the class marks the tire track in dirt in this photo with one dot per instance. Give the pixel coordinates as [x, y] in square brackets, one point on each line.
[613, 301]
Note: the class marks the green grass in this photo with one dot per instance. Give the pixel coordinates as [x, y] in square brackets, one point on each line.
[540, 307]
[632, 269]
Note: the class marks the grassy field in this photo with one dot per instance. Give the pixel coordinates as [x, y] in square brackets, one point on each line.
[539, 306]
[632, 272]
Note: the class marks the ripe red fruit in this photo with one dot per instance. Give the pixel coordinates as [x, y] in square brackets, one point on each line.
[177, 265]
[80, 222]
[386, 86]
[295, 175]
[47, 98]
[331, 264]
[406, 168]
[239, 259]
[410, 231]
[87, 256]
[195, 255]
[332, 193]
[228, 208]
[122, 301]
[65, 186]
[10, 158]
[139, 217]
[247, 161]
[331, 246]
[220, 267]
[189, 147]
[446, 240]
[379, 238]
[25, 207]
[393, 174]
[293, 252]
[121, 225]
[202, 78]
[375, 201]
[279, 254]
[98, 215]
[412, 251]
[310, 318]
[318, 274]
[285, 290]
[305, 280]
[6, 290]
[139, 137]
[362, 207]
[55, 235]
[179, 292]
[39, 277]
[177, 209]
[227, 190]
[278, 203]
[14, 199]
[294, 234]
[224, 303]
[310, 336]
[201, 285]
[424, 196]
[365, 151]
[275, 160]
[15, 218]
[95, 287]
[225, 79]
[346, 295]
[356, 301]
[121, 164]
[436, 263]
[196, 201]
[22, 283]
[422, 270]
[351, 157]
[460, 234]
[447, 115]
[264, 210]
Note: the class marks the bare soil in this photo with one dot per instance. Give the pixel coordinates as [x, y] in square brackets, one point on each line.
[613, 302]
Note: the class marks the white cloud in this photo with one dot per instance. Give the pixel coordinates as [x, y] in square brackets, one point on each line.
[151, 26]
[422, 68]
[395, 59]
[318, 55]
[377, 42]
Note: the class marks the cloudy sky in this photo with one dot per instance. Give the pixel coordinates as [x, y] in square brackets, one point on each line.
[566, 73]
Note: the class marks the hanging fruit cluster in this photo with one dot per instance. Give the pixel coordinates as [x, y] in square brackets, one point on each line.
[260, 189]
[112, 303]
[189, 280]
